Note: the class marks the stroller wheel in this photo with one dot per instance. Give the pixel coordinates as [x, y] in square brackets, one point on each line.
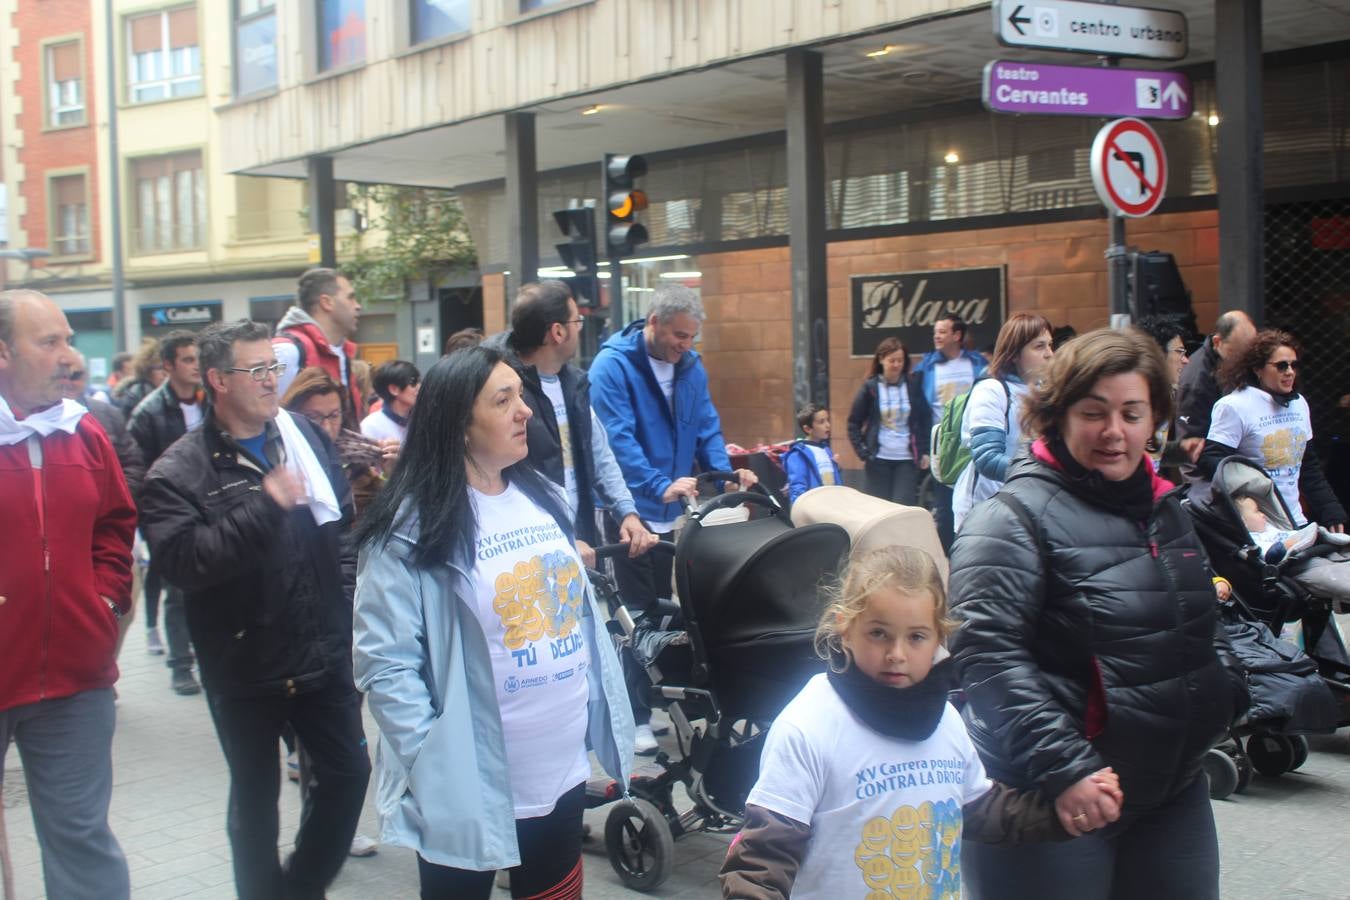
[1300, 752]
[1272, 754]
[1222, 773]
[640, 844]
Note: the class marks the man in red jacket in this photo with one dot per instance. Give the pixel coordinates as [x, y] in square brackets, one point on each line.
[318, 331]
[65, 582]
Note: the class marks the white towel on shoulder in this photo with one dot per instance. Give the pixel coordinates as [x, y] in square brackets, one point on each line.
[319, 495]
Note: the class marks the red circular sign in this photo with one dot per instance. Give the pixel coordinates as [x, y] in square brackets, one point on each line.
[1129, 167]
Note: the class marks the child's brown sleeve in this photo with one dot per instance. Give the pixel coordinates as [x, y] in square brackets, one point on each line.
[763, 860]
[1008, 817]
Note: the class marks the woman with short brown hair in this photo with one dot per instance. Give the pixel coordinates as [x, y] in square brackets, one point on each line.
[889, 425]
[1091, 638]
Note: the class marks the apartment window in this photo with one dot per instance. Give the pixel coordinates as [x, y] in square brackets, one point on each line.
[70, 215]
[255, 46]
[165, 59]
[170, 202]
[342, 33]
[432, 19]
[65, 86]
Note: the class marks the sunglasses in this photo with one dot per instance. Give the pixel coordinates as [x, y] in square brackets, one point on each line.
[1285, 365]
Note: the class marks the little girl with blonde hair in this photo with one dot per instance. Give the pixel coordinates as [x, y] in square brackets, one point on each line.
[869, 783]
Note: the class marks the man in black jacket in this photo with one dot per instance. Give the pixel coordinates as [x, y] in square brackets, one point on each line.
[166, 414]
[249, 514]
[75, 386]
[567, 442]
[1198, 388]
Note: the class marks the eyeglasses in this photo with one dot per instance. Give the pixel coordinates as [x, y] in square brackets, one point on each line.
[1180, 351]
[321, 420]
[259, 373]
[1285, 365]
[576, 321]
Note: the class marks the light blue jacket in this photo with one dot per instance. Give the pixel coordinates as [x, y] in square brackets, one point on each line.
[443, 787]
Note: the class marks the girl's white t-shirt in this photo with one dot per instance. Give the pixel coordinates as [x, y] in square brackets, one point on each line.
[987, 408]
[885, 814]
[530, 598]
[893, 435]
[1267, 432]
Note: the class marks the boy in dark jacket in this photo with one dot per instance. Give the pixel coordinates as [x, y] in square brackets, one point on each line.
[810, 462]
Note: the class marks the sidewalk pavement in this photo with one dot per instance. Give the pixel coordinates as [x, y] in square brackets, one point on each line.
[1285, 838]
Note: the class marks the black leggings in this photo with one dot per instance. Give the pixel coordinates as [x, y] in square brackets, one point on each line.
[550, 860]
[153, 589]
[896, 480]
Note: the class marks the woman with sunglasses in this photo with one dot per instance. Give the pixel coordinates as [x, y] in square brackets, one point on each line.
[1265, 419]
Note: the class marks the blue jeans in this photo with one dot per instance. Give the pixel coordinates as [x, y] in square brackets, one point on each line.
[66, 748]
[1167, 852]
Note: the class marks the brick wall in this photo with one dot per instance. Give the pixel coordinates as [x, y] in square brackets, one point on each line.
[43, 151]
[1056, 269]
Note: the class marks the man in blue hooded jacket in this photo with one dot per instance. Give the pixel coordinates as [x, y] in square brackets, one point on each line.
[650, 390]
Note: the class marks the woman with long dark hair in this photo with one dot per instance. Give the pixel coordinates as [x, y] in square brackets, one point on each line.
[480, 645]
[889, 425]
[991, 427]
[1264, 418]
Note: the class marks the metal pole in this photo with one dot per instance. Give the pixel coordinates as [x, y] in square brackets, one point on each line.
[522, 204]
[115, 190]
[1117, 256]
[806, 231]
[1237, 79]
[323, 207]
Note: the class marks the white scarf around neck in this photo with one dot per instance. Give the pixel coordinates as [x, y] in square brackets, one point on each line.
[64, 416]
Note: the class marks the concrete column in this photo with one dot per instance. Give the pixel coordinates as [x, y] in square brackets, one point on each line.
[322, 206]
[1237, 54]
[522, 203]
[806, 228]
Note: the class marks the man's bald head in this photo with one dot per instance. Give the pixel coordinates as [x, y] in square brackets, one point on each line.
[1233, 333]
[35, 351]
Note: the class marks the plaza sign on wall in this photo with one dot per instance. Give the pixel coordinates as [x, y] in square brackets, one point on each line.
[907, 304]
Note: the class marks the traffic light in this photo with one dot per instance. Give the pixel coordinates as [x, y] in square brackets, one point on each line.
[622, 201]
[578, 252]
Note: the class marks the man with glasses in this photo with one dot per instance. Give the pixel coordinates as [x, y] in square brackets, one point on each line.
[248, 514]
[166, 414]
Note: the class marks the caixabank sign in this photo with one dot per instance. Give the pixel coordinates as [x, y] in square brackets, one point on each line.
[907, 304]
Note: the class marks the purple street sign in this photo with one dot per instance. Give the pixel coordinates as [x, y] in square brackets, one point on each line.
[1041, 89]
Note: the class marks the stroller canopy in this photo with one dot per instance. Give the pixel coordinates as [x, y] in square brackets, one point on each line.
[871, 522]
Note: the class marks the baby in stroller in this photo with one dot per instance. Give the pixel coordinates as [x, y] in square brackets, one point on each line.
[1320, 564]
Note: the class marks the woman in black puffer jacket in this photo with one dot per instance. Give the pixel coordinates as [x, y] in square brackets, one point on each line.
[1091, 639]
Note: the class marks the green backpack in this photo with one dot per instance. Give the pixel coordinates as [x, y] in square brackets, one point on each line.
[948, 457]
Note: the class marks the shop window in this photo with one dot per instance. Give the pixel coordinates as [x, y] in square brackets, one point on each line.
[342, 33]
[65, 85]
[165, 60]
[433, 19]
[170, 202]
[255, 46]
[69, 215]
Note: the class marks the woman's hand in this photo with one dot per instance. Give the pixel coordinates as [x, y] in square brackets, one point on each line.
[1088, 805]
[923, 463]
[587, 554]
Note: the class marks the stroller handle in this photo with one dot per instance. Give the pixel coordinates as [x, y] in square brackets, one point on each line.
[612, 551]
[757, 494]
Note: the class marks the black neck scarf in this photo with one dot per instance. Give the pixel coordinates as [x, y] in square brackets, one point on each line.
[910, 714]
[1132, 497]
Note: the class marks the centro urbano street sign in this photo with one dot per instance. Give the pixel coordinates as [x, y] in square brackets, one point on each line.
[1036, 88]
[1103, 29]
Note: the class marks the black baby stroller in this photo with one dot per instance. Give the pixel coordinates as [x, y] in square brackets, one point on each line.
[740, 649]
[1293, 694]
